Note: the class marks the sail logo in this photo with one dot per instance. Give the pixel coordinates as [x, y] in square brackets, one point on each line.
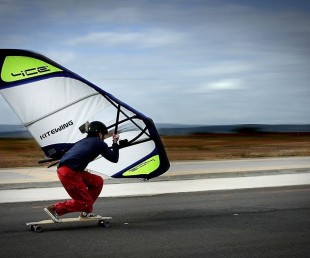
[145, 163]
[32, 71]
[144, 168]
[16, 68]
[56, 130]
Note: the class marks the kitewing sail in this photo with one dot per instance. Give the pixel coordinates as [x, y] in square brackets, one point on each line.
[56, 105]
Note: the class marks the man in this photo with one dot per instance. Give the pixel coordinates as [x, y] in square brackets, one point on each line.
[83, 187]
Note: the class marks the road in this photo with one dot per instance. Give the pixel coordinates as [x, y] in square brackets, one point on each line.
[265, 222]
[239, 208]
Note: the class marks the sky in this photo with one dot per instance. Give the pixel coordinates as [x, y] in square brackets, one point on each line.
[208, 62]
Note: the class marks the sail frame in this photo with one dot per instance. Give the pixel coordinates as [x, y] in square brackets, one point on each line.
[148, 166]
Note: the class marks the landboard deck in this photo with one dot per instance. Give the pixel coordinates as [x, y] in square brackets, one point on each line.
[36, 226]
[67, 220]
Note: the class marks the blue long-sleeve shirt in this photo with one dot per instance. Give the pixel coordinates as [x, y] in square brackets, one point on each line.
[85, 151]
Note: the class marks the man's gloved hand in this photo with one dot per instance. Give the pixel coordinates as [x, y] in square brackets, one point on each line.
[115, 138]
[123, 143]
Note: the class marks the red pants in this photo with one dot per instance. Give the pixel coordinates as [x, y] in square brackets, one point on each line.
[83, 187]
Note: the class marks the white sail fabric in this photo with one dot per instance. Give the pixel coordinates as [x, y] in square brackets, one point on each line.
[39, 106]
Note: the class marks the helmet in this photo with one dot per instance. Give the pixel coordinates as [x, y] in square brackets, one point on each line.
[97, 127]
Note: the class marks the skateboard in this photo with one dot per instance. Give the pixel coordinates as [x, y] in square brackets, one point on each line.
[36, 226]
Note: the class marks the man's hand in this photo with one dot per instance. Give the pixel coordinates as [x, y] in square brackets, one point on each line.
[115, 138]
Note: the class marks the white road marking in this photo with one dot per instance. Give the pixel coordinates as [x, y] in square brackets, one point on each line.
[162, 187]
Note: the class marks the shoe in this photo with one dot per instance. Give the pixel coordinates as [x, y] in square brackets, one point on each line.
[51, 211]
[85, 215]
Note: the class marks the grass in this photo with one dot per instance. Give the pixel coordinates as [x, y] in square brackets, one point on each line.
[25, 152]
[236, 146]
[19, 153]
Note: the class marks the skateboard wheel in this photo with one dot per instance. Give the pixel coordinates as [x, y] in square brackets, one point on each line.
[37, 229]
[104, 223]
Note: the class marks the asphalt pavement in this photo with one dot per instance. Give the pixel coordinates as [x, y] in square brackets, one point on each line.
[264, 222]
[233, 208]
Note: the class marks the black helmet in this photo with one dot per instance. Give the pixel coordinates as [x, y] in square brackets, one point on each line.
[97, 127]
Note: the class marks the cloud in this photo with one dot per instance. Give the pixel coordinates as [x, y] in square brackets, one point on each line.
[17, 39]
[61, 56]
[145, 39]
[223, 68]
[217, 85]
[228, 84]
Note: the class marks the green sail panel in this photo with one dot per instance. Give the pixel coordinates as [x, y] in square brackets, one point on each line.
[16, 68]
